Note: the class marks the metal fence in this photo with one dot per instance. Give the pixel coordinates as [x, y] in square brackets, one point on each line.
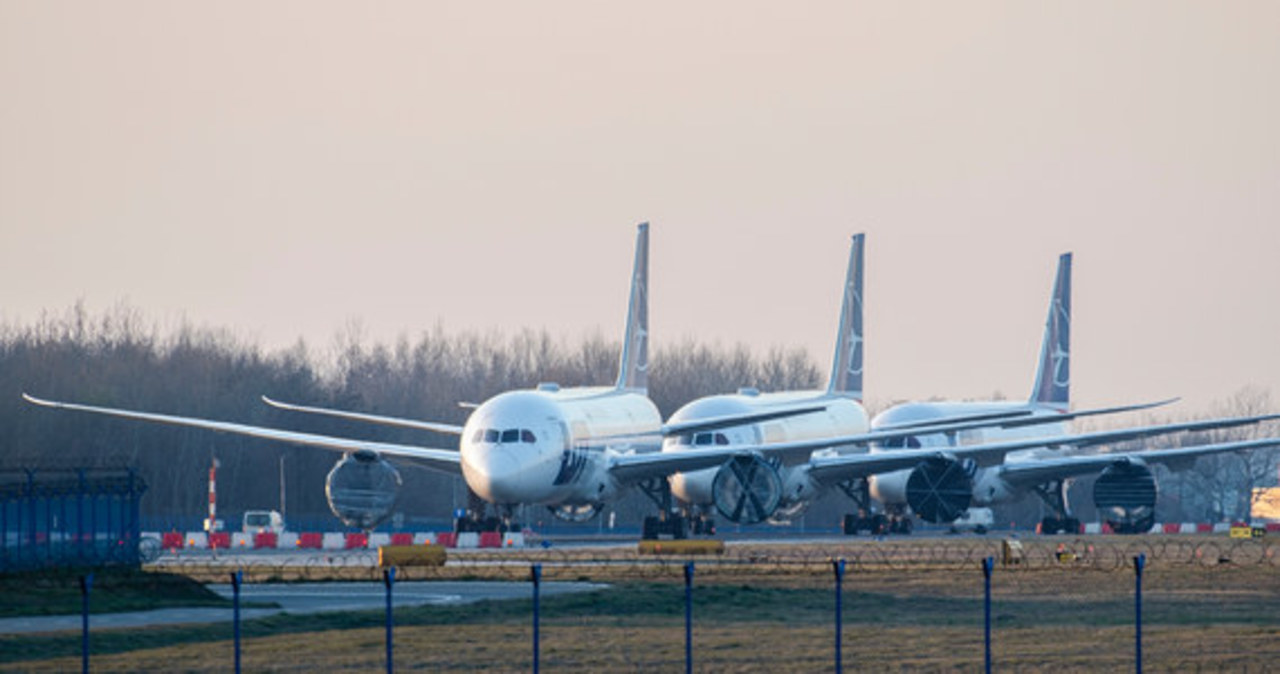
[69, 518]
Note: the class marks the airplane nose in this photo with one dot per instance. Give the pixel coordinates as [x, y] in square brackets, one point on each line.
[497, 476]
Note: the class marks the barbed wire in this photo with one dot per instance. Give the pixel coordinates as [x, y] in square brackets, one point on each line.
[628, 564]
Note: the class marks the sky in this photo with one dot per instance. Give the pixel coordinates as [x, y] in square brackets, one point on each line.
[290, 169]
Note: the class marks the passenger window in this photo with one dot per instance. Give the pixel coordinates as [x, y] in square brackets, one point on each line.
[721, 440]
[526, 435]
[511, 435]
[490, 435]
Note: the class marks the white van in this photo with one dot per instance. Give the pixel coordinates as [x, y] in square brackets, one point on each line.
[258, 521]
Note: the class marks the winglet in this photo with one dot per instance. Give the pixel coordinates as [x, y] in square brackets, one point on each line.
[633, 367]
[846, 367]
[1053, 376]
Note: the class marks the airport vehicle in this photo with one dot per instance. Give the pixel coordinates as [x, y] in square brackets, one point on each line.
[262, 521]
[977, 520]
[567, 449]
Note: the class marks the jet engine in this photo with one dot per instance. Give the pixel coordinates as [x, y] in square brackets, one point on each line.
[940, 488]
[362, 489]
[1125, 494]
[575, 512]
[746, 489]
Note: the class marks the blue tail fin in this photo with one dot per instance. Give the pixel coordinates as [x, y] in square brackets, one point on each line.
[633, 367]
[846, 368]
[1053, 376]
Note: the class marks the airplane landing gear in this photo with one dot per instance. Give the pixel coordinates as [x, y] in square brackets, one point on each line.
[669, 521]
[1054, 495]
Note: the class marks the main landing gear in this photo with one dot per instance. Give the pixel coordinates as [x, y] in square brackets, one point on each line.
[1054, 495]
[670, 520]
[867, 519]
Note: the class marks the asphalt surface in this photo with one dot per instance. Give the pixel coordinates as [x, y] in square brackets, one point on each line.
[299, 598]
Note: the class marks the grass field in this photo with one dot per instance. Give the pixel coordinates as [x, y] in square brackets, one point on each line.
[1197, 617]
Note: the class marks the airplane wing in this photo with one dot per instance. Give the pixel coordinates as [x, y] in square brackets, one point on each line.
[1030, 473]
[718, 422]
[450, 429]
[444, 460]
[630, 468]
[849, 466]
[1013, 418]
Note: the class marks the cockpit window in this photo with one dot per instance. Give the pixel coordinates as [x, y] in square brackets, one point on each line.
[508, 435]
[703, 439]
[721, 439]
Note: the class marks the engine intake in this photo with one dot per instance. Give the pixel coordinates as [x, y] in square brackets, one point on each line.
[362, 489]
[746, 489]
[1125, 494]
[940, 488]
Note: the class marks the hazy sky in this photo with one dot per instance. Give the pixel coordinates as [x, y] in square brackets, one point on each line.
[284, 168]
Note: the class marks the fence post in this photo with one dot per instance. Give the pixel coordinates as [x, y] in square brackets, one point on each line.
[86, 586]
[236, 578]
[837, 565]
[389, 579]
[535, 575]
[688, 617]
[1138, 563]
[987, 565]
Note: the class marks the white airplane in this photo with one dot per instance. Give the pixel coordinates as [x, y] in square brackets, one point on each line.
[759, 486]
[548, 446]
[771, 481]
[940, 458]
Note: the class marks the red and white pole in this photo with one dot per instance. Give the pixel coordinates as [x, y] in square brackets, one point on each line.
[211, 524]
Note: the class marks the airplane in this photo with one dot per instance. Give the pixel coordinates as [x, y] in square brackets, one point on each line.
[771, 481]
[569, 449]
[935, 458]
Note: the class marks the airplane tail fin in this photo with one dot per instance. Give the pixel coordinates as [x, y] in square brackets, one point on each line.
[846, 368]
[1053, 376]
[633, 367]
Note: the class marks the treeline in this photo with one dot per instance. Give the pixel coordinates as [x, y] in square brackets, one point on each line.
[119, 359]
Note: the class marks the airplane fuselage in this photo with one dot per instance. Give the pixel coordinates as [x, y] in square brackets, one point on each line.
[842, 416]
[890, 488]
[530, 446]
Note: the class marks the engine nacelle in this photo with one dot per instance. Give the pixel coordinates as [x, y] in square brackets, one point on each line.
[940, 489]
[575, 512]
[362, 489]
[746, 489]
[1125, 494]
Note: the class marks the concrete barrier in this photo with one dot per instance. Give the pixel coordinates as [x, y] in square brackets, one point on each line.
[311, 540]
[468, 539]
[513, 539]
[1093, 527]
[197, 539]
[334, 540]
[287, 540]
[422, 538]
[172, 540]
[400, 538]
[266, 539]
[356, 541]
[490, 539]
[377, 540]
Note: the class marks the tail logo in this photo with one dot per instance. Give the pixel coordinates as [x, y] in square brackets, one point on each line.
[853, 343]
[1061, 356]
